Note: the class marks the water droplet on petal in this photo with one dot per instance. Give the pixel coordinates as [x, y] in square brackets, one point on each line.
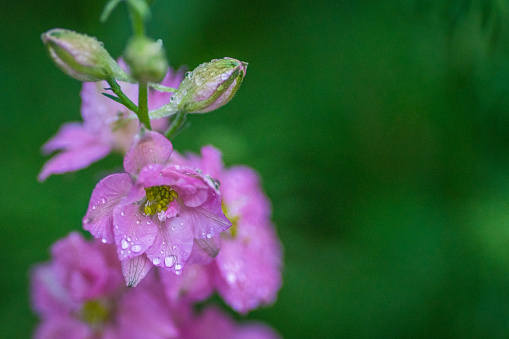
[136, 248]
[103, 200]
[138, 221]
[124, 244]
[128, 238]
[156, 261]
[230, 276]
[209, 235]
[122, 213]
[104, 240]
[178, 267]
[94, 207]
[169, 261]
[149, 222]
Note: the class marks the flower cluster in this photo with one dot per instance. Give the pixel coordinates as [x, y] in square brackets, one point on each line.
[171, 229]
[80, 294]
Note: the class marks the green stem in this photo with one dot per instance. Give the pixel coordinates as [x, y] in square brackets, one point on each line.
[176, 124]
[136, 21]
[143, 104]
[115, 87]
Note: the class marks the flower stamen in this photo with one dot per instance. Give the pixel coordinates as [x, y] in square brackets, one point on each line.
[158, 198]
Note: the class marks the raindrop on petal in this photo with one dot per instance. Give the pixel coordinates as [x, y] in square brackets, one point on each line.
[124, 244]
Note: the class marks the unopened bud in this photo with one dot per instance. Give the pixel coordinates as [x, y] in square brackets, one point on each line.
[80, 56]
[210, 86]
[146, 59]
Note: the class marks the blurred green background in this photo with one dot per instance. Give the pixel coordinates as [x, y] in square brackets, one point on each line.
[380, 128]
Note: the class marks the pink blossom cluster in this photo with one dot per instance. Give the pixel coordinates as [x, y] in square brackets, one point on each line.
[80, 294]
[171, 230]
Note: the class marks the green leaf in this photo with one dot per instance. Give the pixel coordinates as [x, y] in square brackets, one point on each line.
[110, 6]
[112, 97]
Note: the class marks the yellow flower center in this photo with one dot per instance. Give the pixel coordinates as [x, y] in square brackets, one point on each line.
[158, 198]
[95, 313]
[234, 220]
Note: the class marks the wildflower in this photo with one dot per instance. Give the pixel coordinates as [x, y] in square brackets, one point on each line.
[154, 211]
[247, 270]
[80, 294]
[107, 126]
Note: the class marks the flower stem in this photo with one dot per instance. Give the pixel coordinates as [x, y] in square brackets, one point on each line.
[176, 125]
[136, 21]
[143, 104]
[115, 87]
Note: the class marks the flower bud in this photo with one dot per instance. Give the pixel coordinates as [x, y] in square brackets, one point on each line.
[80, 56]
[146, 59]
[210, 86]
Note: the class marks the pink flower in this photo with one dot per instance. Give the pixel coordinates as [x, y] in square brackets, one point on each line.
[107, 126]
[247, 270]
[155, 211]
[80, 294]
[214, 324]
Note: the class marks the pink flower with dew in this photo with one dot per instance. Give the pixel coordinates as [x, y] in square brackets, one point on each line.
[247, 270]
[80, 294]
[215, 324]
[107, 126]
[155, 211]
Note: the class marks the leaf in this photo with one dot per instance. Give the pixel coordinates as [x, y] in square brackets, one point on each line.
[110, 6]
[112, 97]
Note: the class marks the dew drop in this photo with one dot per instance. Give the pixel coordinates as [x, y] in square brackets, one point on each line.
[104, 240]
[230, 276]
[138, 221]
[189, 75]
[209, 236]
[178, 267]
[124, 244]
[94, 207]
[103, 200]
[149, 222]
[136, 248]
[169, 261]
[122, 213]
[173, 228]
[181, 224]
[128, 238]
[156, 261]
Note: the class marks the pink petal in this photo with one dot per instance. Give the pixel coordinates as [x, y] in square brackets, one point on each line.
[194, 285]
[134, 231]
[172, 245]
[207, 220]
[62, 328]
[143, 312]
[152, 148]
[74, 159]
[106, 195]
[135, 269]
[70, 135]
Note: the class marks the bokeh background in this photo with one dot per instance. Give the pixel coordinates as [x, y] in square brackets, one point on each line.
[380, 128]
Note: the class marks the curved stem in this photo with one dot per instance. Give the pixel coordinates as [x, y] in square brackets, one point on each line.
[136, 21]
[176, 124]
[143, 104]
[115, 87]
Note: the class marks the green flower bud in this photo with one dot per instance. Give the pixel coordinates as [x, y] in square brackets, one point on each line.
[80, 56]
[146, 59]
[210, 86]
